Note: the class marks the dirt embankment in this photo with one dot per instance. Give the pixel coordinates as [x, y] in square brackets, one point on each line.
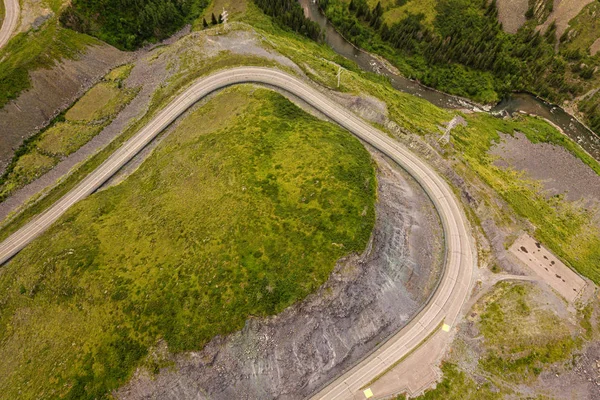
[366, 299]
[52, 91]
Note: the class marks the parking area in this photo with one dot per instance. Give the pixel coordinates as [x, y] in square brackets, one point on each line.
[545, 264]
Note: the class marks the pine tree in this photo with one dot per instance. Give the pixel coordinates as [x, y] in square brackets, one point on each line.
[377, 13]
[213, 19]
[530, 13]
[220, 18]
[204, 23]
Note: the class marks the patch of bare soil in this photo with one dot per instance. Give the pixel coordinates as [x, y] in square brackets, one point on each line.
[511, 14]
[563, 12]
[242, 42]
[547, 266]
[558, 170]
[52, 91]
[367, 298]
[33, 14]
[580, 382]
[595, 47]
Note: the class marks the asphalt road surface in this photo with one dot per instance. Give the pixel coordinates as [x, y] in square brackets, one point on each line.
[454, 288]
[11, 17]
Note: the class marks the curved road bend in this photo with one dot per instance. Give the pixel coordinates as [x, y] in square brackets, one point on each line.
[454, 288]
[11, 17]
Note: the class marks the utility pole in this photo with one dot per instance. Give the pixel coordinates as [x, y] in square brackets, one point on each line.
[225, 16]
[339, 76]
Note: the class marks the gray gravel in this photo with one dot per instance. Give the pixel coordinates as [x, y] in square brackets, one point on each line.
[558, 170]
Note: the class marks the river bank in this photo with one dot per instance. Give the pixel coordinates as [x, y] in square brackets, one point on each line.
[510, 105]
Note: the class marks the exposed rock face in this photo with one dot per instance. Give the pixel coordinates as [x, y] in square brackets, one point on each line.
[366, 299]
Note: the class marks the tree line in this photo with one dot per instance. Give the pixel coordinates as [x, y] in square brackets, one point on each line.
[466, 37]
[289, 14]
[128, 24]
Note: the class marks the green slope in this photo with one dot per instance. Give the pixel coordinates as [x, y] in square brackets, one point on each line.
[241, 211]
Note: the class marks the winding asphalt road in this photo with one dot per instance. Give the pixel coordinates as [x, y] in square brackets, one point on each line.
[11, 17]
[454, 288]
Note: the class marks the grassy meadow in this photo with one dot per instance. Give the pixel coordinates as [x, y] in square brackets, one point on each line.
[566, 228]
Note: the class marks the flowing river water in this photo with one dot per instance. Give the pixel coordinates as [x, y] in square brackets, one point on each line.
[517, 102]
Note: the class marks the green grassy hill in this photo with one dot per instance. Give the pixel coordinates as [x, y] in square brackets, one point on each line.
[242, 210]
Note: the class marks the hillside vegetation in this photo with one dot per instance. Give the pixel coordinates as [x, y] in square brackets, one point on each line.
[288, 13]
[111, 273]
[560, 224]
[129, 24]
[567, 228]
[33, 50]
[237, 217]
[458, 46]
[68, 132]
[519, 336]
[583, 30]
